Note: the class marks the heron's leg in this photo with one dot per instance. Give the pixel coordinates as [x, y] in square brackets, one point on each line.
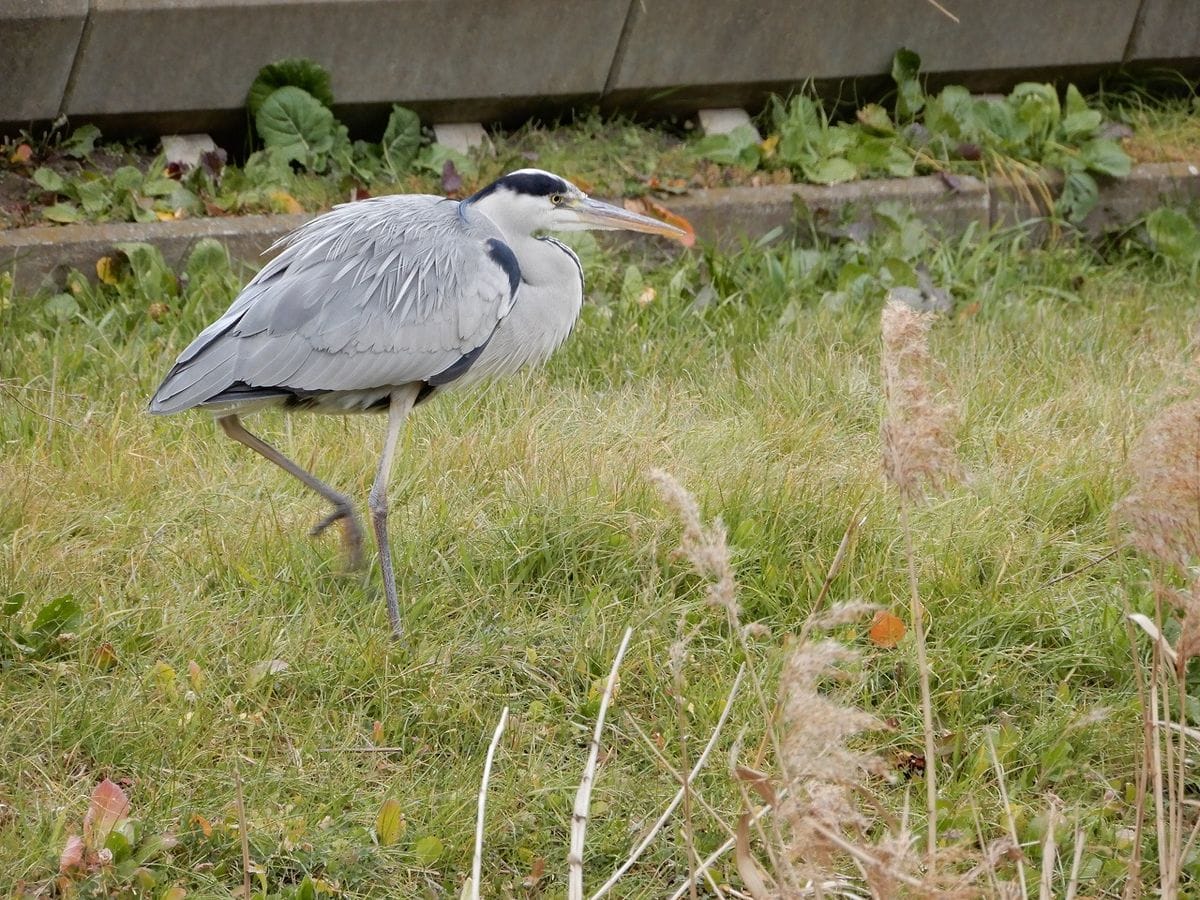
[401, 403]
[343, 509]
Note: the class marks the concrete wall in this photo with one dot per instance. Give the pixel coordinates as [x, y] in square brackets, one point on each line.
[166, 65]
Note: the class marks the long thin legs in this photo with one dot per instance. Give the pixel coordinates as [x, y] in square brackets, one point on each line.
[343, 509]
[401, 404]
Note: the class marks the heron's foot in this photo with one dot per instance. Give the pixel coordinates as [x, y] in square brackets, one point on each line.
[352, 538]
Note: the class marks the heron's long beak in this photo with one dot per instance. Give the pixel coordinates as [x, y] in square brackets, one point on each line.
[595, 214]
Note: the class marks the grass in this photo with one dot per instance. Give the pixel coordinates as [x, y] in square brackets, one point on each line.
[527, 538]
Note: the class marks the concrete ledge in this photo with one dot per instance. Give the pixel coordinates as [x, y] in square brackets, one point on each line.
[39, 258]
[38, 41]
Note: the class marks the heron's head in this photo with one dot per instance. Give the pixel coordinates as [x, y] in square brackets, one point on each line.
[530, 200]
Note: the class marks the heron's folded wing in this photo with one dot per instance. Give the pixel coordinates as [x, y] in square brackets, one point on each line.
[382, 292]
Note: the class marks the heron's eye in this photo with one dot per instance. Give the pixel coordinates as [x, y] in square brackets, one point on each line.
[556, 199]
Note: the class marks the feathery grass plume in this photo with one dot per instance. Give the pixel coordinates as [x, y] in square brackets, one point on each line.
[1163, 509]
[822, 770]
[918, 430]
[705, 548]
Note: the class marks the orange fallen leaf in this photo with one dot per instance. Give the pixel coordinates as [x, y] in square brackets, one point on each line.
[887, 629]
[108, 270]
[285, 202]
[22, 155]
[202, 823]
[647, 206]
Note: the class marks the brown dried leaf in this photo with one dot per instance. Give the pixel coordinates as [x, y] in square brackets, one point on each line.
[753, 879]
[108, 807]
[72, 855]
[759, 782]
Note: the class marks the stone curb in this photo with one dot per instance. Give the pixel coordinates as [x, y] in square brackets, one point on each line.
[40, 257]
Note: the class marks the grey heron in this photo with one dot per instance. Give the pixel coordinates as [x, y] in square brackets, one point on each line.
[378, 305]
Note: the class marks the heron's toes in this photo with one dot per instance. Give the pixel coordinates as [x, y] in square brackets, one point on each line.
[351, 531]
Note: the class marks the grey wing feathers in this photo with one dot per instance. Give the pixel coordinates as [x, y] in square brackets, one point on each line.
[373, 294]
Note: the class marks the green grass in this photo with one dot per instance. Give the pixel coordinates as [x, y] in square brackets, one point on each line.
[527, 538]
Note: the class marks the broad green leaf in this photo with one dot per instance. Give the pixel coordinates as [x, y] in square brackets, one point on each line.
[60, 615]
[150, 271]
[49, 180]
[1074, 101]
[952, 113]
[294, 124]
[1106, 157]
[62, 306]
[12, 604]
[82, 142]
[428, 849]
[875, 118]
[738, 147]
[292, 72]
[1174, 235]
[1080, 195]
[1081, 124]
[95, 196]
[401, 141]
[434, 157]
[831, 171]
[906, 69]
[128, 178]
[207, 258]
[389, 823]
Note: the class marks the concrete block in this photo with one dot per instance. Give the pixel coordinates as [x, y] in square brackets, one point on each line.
[723, 121]
[1167, 33]
[734, 51]
[461, 136]
[40, 257]
[141, 55]
[1147, 187]
[728, 216]
[38, 39]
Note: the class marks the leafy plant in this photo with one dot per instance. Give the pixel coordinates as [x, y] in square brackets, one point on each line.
[739, 147]
[1175, 236]
[401, 141]
[127, 194]
[305, 74]
[296, 127]
[45, 636]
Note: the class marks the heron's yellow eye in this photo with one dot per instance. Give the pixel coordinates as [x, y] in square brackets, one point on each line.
[556, 199]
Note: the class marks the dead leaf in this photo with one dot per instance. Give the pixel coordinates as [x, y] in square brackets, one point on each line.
[105, 656]
[887, 629]
[202, 823]
[646, 297]
[768, 145]
[377, 733]
[158, 311]
[72, 855]
[107, 269]
[285, 202]
[536, 872]
[753, 879]
[22, 155]
[389, 824]
[261, 670]
[107, 808]
[647, 206]
[451, 180]
[759, 782]
[195, 675]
